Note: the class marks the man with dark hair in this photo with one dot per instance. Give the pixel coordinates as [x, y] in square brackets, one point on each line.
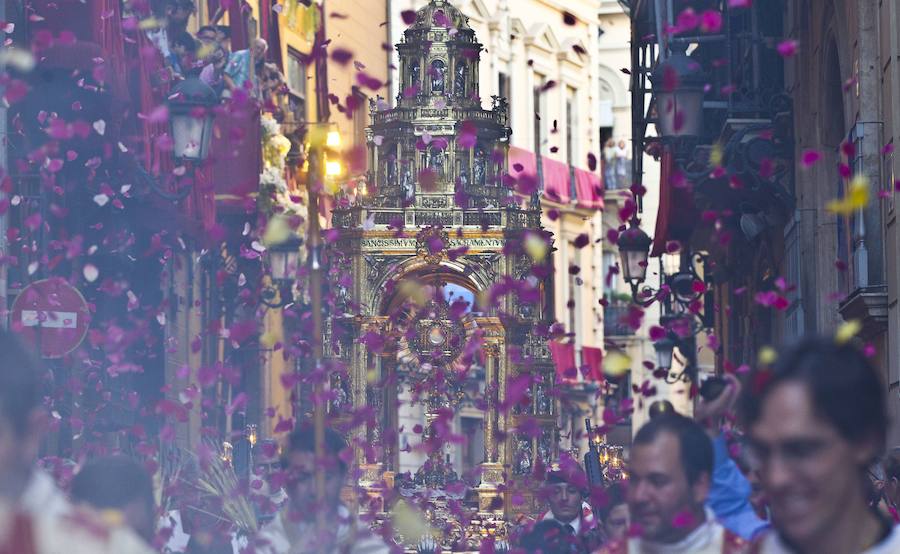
[35, 517]
[122, 485]
[294, 530]
[669, 479]
[817, 420]
[565, 488]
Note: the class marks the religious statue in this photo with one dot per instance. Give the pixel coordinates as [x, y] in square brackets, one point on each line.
[437, 77]
[436, 161]
[391, 172]
[415, 74]
[406, 181]
[478, 166]
[459, 81]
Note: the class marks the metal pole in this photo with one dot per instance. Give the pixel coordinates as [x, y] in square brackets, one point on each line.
[314, 181]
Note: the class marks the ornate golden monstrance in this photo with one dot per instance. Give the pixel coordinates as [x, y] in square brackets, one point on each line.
[436, 215]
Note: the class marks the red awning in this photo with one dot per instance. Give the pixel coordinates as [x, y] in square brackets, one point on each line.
[676, 216]
[589, 187]
[593, 360]
[563, 354]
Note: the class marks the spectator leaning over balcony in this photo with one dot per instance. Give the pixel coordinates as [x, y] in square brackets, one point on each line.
[244, 66]
[213, 73]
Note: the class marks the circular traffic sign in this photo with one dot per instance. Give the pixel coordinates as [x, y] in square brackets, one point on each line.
[52, 316]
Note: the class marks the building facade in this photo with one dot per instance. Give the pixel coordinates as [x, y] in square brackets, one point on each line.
[801, 120]
[560, 64]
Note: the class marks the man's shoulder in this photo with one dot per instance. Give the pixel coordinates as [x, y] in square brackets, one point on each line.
[83, 530]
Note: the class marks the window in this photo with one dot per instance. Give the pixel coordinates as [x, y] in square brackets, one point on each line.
[541, 115]
[573, 303]
[473, 448]
[296, 82]
[610, 278]
[360, 117]
[571, 125]
[503, 89]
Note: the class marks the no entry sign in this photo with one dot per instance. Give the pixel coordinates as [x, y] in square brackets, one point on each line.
[51, 314]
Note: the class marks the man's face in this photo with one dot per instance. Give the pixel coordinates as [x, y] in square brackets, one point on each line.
[565, 501]
[809, 472]
[660, 499]
[301, 485]
[616, 523]
[258, 50]
[206, 36]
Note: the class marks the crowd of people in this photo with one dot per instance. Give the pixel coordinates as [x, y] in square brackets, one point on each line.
[208, 54]
[800, 470]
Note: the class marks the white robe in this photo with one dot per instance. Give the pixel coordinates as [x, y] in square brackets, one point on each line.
[274, 537]
[709, 538]
[772, 544]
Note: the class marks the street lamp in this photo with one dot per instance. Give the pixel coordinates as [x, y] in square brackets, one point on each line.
[679, 86]
[634, 249]
[191, 127]
[283, 259]
[191, 119]
[665, 352]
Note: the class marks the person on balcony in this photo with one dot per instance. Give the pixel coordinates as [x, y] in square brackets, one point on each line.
[245, 66]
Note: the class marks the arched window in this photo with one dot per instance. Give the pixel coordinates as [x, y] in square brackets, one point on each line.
[415, 76]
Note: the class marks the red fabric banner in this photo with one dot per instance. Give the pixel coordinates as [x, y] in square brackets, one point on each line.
[556, 180]
[589, 187]
[237, 20]
[593, 359]
[677, 213]
[563, 354]
[522, 162]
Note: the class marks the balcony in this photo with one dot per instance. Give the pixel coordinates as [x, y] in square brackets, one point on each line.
[615, 320]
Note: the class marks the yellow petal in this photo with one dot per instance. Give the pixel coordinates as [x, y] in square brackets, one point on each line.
[277, 231]
[149, 24]
[616, 364]
[847, 331]
[410, 523]
[536, 247]
[716, 155]
[857, 197]
[767, 356]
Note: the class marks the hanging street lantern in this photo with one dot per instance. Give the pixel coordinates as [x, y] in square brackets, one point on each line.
[634, 249]
[679, 87]
[191, 119]
[665, 352]
[283, 260]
